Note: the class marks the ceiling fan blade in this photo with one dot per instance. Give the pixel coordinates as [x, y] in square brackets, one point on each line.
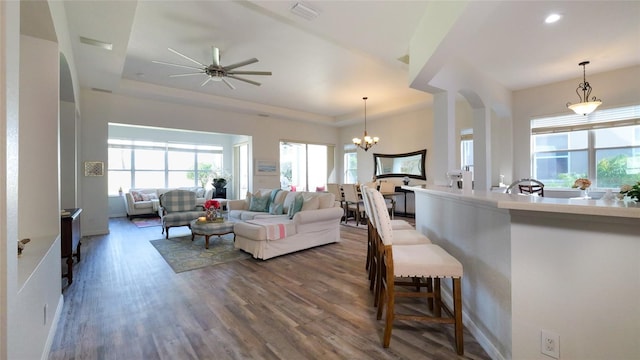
[249, 72]
[242, 63]
[230, 85]
[206, 81]
[186, 57]
[189, 74]
[178, 65]
[215, 53]
[245, 80]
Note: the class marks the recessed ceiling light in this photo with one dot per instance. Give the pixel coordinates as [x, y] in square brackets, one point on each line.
[552, 18]
[98, 43]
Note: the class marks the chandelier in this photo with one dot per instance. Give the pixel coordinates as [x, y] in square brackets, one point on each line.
[585, 106]
[367, 141]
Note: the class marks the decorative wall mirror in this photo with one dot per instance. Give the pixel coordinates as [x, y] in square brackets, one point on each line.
[400, 165]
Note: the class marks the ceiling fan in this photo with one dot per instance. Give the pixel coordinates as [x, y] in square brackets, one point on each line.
[215, 71]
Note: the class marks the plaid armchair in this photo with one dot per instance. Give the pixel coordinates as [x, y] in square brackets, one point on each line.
[178, 208]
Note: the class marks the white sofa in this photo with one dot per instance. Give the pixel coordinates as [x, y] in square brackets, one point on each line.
[265, 235]
[147, 203]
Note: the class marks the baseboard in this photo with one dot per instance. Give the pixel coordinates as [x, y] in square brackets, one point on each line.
[53, 328]
[480, 337]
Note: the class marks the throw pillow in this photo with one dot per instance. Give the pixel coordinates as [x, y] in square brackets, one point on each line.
[295, 206]
[312, 203]
[274, 193]
[259, 203]
[275, 209]
[136, 196]
[326, 200]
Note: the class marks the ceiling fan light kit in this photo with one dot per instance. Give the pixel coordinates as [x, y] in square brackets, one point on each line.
[216, 72]
[584, 107]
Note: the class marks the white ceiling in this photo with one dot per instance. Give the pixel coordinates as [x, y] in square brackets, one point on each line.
[323, 67]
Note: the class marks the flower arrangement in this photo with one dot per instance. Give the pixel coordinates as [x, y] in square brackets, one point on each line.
[631, 191]
[582, 184]
[212, 204]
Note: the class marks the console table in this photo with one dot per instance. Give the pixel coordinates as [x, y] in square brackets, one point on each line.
[404, 191]
[70, 239]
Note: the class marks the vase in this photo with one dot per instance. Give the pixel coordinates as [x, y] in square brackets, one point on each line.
[211, 214]
[585, 194]
[219, 183]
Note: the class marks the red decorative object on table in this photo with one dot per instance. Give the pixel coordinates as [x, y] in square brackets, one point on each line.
[212, 207]
[212, 203]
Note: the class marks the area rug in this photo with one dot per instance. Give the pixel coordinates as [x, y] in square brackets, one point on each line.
[146, 222]
[182, 254]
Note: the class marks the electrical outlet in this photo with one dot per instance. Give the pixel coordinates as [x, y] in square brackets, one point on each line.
[550, 344]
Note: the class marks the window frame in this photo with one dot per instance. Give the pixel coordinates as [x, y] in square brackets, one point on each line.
[596, 121]
[166, 148]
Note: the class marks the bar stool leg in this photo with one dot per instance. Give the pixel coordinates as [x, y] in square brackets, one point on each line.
[437, 300]
[457, 312]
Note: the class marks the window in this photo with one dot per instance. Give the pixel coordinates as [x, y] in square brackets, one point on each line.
[350, 164]
[603, 147]
[145, 164]
[241, 174]
[466, 149]
[304, 167]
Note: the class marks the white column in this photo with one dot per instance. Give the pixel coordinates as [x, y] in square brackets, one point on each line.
[443, 152]
[482, 148]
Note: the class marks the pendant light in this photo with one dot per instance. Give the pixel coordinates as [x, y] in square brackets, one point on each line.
[585, 106]
[367, 141]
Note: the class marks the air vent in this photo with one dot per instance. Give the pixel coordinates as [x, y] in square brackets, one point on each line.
[304, 11]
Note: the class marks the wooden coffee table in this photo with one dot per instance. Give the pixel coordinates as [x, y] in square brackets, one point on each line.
[208, 229]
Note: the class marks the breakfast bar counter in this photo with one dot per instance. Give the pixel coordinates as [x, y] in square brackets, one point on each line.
[565, 267]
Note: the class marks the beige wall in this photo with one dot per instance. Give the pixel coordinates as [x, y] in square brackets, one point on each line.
[615, 88]
[99, 108]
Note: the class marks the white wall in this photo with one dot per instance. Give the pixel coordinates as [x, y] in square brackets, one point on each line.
[400, 133]
[615, 88]
[68, 155]
[578, 277]
[477, 234]
[99, 108]
[38, 300]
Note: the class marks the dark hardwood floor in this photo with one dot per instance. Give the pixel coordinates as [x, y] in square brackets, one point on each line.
[126, 303]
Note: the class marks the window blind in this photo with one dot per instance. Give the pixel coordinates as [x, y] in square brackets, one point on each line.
[607, 118]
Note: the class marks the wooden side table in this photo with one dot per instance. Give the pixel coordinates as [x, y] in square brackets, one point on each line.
[70, 239]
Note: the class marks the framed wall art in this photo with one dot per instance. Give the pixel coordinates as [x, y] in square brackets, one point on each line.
[93, 168]
[266, 167]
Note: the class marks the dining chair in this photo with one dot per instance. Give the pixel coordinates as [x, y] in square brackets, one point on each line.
[336, 190]
[388, 190]
[427, 261]
[527, 186]
[353, 203]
